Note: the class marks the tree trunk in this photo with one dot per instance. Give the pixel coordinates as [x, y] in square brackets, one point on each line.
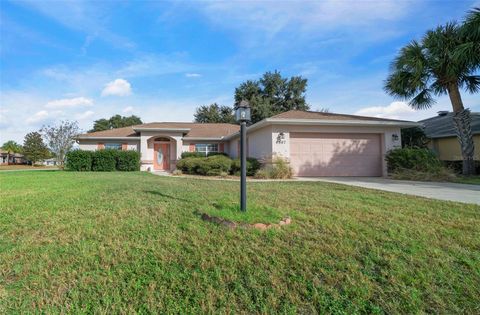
[462, 122]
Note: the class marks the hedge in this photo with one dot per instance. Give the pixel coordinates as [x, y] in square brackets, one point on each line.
[128, 161]
[107, 160]
[79, 160]
[201, 154]
[215, 165]
[104, 160]
[422, 160]
[253, 165]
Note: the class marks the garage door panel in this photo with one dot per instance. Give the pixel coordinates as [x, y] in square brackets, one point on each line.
[315, 154]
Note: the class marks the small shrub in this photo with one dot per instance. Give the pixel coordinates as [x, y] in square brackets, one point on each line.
[211, 166]
[223, 174]
[128, 161]
[278, 169]
[416, 159]
[177, 172]
[79, 160]
[253, 165]
[217, 153]
[104, 160]
[192, 154]
[214, 165]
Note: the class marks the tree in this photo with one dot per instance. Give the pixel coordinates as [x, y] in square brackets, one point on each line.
[60, 139]
[33, 147]
[441, 63]
[116, 121]
[273, 94]
[214, 113]
[12, 147]
[413, 138]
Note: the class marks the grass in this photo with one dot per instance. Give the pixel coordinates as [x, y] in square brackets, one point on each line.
[254, 214]
[25, 167]
[472, 180]
[132, 242]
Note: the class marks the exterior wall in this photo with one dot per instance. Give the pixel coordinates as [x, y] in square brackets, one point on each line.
[92, 145]
[259, 143]
[448, 149]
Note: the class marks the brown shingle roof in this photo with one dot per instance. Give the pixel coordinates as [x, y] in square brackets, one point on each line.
[196, 130]
[298, 114]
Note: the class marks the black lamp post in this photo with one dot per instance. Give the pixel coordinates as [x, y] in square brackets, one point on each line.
[242, 115]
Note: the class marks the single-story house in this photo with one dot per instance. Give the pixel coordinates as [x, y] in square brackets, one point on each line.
[314, 143]
[49, 162]
[441, 132]
[7, 158]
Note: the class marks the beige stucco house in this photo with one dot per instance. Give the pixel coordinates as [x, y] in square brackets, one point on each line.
[314, 143]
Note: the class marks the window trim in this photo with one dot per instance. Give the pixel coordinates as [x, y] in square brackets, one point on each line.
[207, 145]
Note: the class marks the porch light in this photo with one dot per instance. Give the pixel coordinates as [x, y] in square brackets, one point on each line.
[242, 111]
[242, 115]
[394, 137]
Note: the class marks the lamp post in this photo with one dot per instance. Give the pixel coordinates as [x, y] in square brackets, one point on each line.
[242, 115]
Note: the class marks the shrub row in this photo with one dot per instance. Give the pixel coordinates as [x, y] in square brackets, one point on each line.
[107, 160]
[201, 154]
[416, 159]
[215, 165]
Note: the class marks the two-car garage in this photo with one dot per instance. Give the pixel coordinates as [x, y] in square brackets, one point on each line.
[336, 154]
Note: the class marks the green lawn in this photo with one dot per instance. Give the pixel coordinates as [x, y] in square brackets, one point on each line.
[472, 180]
[133, 242]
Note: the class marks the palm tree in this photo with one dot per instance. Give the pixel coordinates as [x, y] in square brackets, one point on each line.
[443, 62]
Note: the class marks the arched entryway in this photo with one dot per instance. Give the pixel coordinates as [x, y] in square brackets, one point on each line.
[161, 153]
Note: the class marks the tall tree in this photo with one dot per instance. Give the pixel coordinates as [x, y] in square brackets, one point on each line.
[12, 147]
[60, 138]
[437, 65]
[214, 113]
[273, 94]
[116, 121]
[33, 147]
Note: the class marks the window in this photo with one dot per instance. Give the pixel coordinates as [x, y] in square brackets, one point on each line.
[115, 146]
[206, 148]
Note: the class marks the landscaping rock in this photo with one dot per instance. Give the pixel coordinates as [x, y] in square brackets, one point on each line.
[288, 221]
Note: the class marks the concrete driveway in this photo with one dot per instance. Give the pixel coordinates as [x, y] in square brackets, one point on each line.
[443, 191]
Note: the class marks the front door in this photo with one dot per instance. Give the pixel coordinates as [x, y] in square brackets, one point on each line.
[161, 156]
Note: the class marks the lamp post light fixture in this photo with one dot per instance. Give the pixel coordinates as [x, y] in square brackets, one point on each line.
[242, 115]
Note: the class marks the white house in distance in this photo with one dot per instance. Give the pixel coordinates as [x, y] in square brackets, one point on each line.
[315, 143]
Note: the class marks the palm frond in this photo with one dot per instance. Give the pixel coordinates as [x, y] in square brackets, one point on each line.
[423, 100]
[471, 83]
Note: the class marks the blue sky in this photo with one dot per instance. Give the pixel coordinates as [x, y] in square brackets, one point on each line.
[160, 60]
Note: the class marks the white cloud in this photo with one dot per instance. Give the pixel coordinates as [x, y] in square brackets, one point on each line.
[193, 75]
[85, 115]
[37, 117]
[69, 102]
[394, 110]
[118, 87]
[128, 109]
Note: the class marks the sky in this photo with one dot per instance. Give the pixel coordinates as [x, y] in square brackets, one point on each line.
[86, 60]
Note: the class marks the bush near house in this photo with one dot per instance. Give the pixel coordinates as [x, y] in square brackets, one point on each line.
[211, 166]
[277, 169]
[79, 160]
[102, 160]
[201, 154]
[253, 165]
[128, 161]
[415, 159]
[417, 164]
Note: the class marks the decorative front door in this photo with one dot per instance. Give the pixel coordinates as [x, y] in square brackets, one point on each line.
[161, 156]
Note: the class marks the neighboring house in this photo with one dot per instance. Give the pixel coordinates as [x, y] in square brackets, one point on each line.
[49, 162]
[7, 158]
[315, 143]
[440, 130]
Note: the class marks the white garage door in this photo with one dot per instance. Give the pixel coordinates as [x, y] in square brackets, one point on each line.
[335, 154]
